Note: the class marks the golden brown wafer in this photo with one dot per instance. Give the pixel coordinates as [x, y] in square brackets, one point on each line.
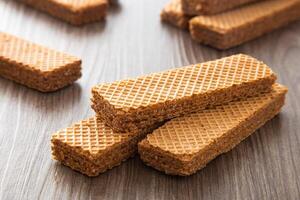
[76, 12]
[173, 14]
[208, 7]
[91, 148]
[135, 104]
[36, 66]
[184, 145]
[235, 27]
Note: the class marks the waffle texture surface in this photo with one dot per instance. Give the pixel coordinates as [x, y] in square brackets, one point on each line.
[91, 148]
[208, 7]
[173, 14]
[76, 12]
[36, 66]
[186, 144]
[237, 26]
[134, 104]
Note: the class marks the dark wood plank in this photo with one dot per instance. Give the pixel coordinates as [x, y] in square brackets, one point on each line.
[133, 42]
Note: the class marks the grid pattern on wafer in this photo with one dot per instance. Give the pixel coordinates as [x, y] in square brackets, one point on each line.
[90, 135]
[241, 16]
[182, 82]
[17, 51]
[191, 133]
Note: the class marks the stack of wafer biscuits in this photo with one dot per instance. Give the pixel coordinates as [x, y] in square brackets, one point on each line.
[225, 24]
[209, 108]
[76, 12]
[134, 104]
[36, 66]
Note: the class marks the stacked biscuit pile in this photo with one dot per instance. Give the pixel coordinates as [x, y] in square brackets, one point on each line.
[227, 23]
[178, 120]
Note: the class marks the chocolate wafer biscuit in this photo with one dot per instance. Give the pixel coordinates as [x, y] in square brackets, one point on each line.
[76, 12]
[173, 14]
[186, 144]
[135, 104]
[208, 7]
[36, 66]
[91, 148]
[235, 27]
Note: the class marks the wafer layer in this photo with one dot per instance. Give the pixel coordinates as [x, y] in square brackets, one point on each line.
[76, 12]
[173, 14]
[134, 104]
[36, 66]
[91, 148]
[184, 145]
[203, 7]
[235, 27]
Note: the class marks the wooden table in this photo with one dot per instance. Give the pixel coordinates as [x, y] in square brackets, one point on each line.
[130, 43]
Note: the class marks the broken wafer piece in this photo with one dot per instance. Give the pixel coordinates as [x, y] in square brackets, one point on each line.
[91, 148]
[186, 144]
[173, 14]
[76, 12]
[208, 7]
[36, 66]
[135, 104]
[235, 27]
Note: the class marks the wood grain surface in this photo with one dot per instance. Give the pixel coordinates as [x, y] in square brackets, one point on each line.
[134, 42]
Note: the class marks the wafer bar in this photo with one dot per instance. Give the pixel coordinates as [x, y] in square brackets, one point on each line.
[184, 145]
[36, 66]
[173, 14]
[76, 12]
[91, 148]
[209, 7]
[235, 27]
[135, 104]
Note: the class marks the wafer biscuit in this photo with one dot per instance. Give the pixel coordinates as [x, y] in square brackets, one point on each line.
[36, 66]
[184, 145]
[235, 27]
[76, 12]
[134, 104]
[173, 14]
[91, 148]
[208, 7]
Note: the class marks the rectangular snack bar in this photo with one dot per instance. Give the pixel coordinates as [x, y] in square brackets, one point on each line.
[76, 12]
[173, 14]
[135, 104]
[36, 66]
[91, 148]
[235, 27]
[209, 7]
[184, 145]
